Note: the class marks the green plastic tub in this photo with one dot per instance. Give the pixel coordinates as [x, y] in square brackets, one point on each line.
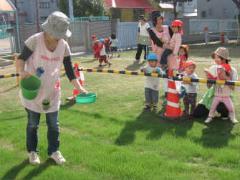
[30, 87]
[86, 98]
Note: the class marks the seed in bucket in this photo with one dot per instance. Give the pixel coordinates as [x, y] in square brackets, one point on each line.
[46, 104]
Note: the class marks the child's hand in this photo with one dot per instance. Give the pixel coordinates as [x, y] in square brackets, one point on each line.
[208, 74]
[24, 74]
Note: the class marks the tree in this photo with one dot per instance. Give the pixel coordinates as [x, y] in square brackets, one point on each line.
[174, 2]
[83, 7]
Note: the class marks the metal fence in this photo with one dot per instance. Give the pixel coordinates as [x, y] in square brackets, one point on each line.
[3, 31]
[127, 34]
[197, 26]
[92, 18]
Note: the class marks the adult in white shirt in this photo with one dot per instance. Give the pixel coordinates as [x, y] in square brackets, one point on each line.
[142, 38]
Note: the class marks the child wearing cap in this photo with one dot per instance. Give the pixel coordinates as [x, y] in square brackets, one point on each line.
[190, 97]
[103, 55]
[43, 56]
[152, 84]
[95, 47]
[183, 56]
[220, 56]
[222, 94]
[172, 46]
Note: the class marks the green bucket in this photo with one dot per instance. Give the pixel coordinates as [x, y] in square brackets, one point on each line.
[86, 98]
[30, 87]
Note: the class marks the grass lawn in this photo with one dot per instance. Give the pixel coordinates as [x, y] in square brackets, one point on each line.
[114, 139]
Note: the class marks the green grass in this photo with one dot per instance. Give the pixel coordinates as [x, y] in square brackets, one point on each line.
[114, 139]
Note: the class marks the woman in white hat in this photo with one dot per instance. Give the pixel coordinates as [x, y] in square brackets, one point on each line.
[43, 55]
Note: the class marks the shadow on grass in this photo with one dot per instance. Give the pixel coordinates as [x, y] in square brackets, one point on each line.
[39, 169]
[157, 127]
[14, 171]
[67, 105]
[217, 134]
[134, 66]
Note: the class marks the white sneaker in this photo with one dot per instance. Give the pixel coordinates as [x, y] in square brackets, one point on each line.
[33, 158]
[234, 121]
[208, 120]
[58, 158]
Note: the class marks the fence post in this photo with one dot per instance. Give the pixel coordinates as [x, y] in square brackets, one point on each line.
[87, 36]
[15, 58]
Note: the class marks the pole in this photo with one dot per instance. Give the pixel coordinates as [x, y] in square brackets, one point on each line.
[18, 45]
[37, 15]
[70, 9]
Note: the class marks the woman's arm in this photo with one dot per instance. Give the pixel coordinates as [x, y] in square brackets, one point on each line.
[70, 74]
[20, 63]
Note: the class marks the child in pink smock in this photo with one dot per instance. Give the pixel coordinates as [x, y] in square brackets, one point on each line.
[172, 46]
[222, 94]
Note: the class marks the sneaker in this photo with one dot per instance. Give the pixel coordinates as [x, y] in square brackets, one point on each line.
[147, 108]
[234, 121]
[33, 158]
[208, 120]
[58, 158]
[154, 109]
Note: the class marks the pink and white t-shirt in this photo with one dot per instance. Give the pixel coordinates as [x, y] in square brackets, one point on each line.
[165, 36]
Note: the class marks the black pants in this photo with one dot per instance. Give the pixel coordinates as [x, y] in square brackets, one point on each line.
[165, 55]
[202, 112]
[141, 47]
[189, 101]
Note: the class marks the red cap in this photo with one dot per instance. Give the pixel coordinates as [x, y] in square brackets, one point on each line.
[189, 63]
[177, 23]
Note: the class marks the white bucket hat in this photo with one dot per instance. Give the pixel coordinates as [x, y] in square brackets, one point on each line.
[57, 25]
[222, 52]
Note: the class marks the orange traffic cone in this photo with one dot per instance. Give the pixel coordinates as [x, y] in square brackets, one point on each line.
[80, 77]
[173, 109]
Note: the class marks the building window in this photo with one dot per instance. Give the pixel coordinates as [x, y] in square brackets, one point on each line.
[44, 5]
[203, 14]
[210, 12]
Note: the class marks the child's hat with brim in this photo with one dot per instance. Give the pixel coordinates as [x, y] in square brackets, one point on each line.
[152, 57]
[222, 52]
